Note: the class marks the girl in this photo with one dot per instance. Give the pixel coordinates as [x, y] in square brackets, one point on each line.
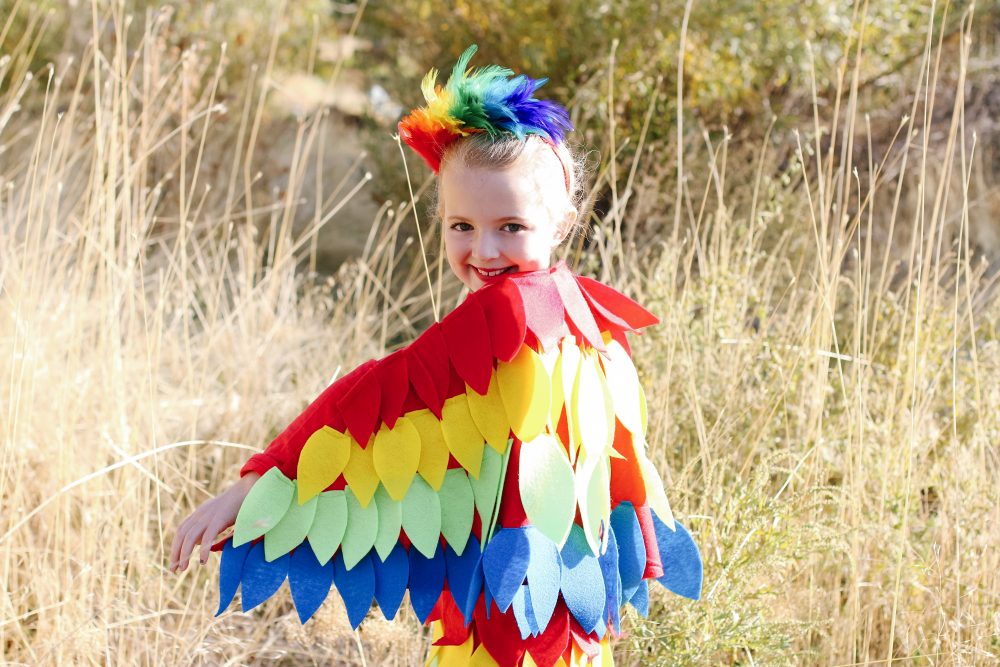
[496, 467]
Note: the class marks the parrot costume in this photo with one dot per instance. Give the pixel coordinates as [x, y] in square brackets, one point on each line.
[495, 468]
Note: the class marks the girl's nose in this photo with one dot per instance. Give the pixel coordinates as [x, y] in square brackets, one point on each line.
[486, 247]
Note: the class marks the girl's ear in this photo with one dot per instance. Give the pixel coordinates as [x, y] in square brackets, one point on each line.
[565, 225]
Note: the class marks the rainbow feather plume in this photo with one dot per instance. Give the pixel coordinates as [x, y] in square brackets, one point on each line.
[490, 99]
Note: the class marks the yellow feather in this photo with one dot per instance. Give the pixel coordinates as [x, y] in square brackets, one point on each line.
[321, 461]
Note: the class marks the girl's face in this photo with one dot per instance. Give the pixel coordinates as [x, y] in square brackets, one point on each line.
[499, 221]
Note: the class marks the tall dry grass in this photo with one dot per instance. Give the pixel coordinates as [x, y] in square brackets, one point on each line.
[824, 410]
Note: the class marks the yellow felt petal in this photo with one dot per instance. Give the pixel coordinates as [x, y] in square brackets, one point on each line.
[456, 656]
[321, 461]
[623, 384]
[360, 475]
[525, 388]
[433, 451]
[569, 372]
[396, 456]
[557, 398]
[591, 407]
[643, 413]
[489, 415]
[464, 440]
[656, 497]
[482, 658]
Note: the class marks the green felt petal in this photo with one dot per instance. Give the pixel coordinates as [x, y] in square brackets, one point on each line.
[291, 530]
[362, 528]
[457, 507]
[546, 483]
[390, 519]
[486, 489]
[262, 509]
[328, 525]
[422, 517]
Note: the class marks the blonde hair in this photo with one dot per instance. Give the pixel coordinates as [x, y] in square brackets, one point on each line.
[481, 150]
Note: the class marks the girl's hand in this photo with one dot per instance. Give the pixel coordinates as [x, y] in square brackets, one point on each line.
[206, 522]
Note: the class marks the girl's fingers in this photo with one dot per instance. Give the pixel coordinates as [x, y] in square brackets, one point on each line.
[191, 539]
[206, 543]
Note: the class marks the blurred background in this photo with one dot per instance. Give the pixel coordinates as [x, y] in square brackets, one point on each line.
[205, 217]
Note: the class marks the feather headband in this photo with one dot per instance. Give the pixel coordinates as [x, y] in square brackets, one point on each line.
[489, 100]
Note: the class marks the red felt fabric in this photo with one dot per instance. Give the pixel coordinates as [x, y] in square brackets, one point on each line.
[467, 334]
[654, 566]
[548, 647]
[394, 380]
[360, 407]
[499, 300]
[615, 306]
[500, 635]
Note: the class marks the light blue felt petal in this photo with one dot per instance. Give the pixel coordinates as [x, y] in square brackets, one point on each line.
[612, 582]
[261, 579]
[422, 516]
[362, 528]
[391, 578]
[390, 520]
[426, 581]
[682, 566]
[309, 580]
[457, 508]
[582, 581]
[520, 607]
[356, 587]
[230, 572]
[505, 564]
[544, 574]
[465, 576]
[640, 599]
[329, 524]
[631, 548]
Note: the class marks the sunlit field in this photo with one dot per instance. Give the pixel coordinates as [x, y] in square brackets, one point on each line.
[823, 389]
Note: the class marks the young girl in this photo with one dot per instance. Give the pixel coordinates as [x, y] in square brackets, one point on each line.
[496, 467]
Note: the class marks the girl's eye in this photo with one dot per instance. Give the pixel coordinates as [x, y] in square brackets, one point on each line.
[461, 226]
[513, 227]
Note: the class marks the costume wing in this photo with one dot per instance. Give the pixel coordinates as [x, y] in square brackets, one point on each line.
[495, 465]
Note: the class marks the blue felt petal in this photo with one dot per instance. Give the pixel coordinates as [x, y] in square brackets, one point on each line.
[230, 572]
[601, 628]
[640, 599]
[426, 581]
[487, 598]
[465, 576]
[356, 586]
[261, 579]
[544, 574]
[391, 577]
[631, 548]
[582, 582]
[612, 582]
[519, 607]
[505, 564]
[682, 566]
[309, 580]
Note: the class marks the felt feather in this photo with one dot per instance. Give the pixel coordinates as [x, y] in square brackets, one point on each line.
[490, 100]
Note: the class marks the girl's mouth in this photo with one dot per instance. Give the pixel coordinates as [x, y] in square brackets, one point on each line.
[490, 274]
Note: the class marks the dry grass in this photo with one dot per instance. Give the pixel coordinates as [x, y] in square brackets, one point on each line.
[826, 415]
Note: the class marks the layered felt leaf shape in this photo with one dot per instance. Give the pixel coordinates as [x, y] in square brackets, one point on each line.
[519, 569]
[476, 468]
